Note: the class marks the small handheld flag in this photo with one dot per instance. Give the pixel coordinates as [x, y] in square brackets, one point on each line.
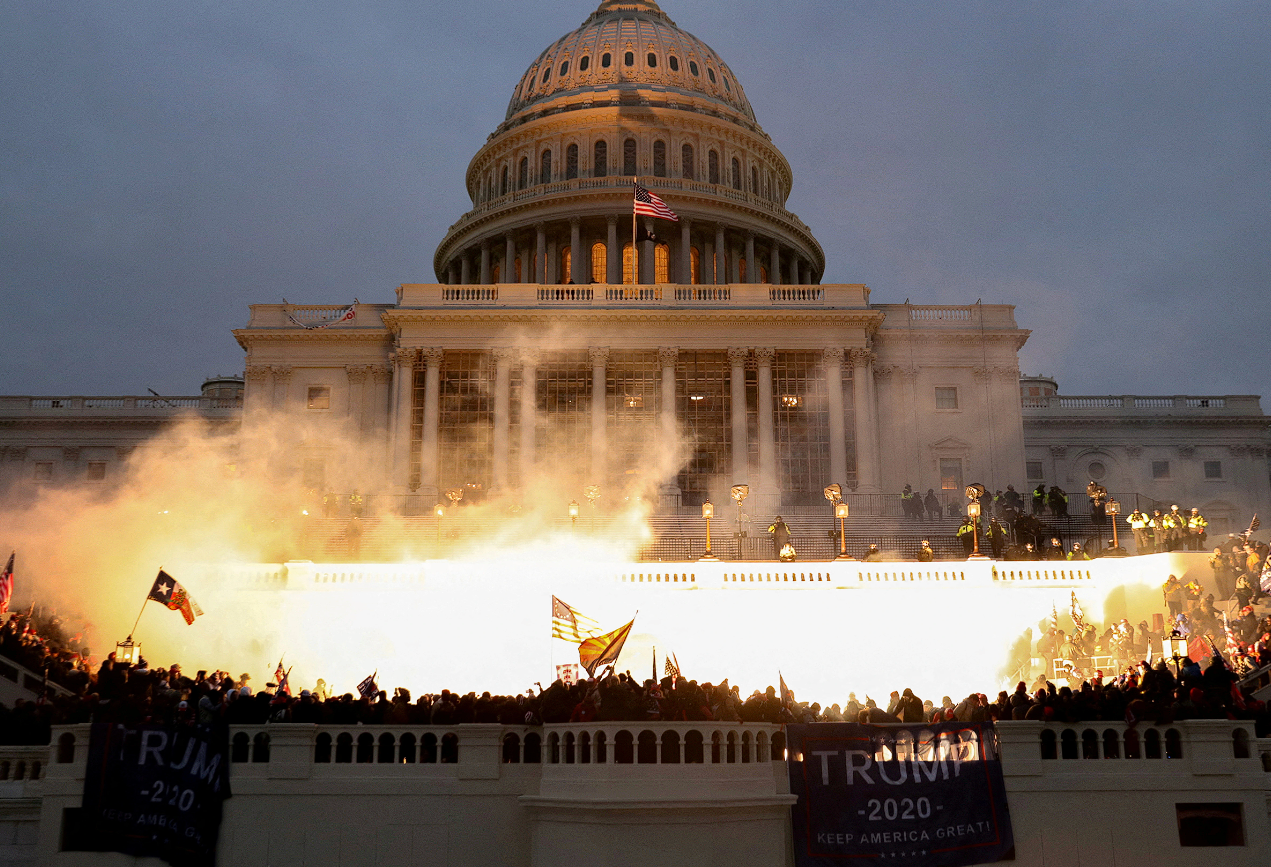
[787, 694]
[368, 687]
[6, 584]
[169, 591]
[651, 206]
[603, 649]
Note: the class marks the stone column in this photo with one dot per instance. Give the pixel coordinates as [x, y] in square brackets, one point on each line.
[429, 463]
[465, 269]
[282, 381]
[452, 273]
[502, 415]
[552, 265]
[774, 262]
[767, 431]
[576, 250]
[708, 262]
[485, 262]
[599, 357]
[833, 359]
[794, 271]
[357, 375]
[740, 469]
[540, 246]
[721, 256]
[613, 252]
[529, 413]
[667, 356]
[685, 275]
[258, 392]
[508, 272]
[752, 267]
[863, 396]
[403, 406]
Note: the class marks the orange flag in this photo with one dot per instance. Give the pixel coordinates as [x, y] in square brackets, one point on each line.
[603, 649]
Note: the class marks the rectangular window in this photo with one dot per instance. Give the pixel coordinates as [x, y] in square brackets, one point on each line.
[1160, 469]
[950, 474]
[1210, 824]
[1033, 469]
[319, 397]
[946, 397]
[1213, 469]
[96, 471]
[43, 471]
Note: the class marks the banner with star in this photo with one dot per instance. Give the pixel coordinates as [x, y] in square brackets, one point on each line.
[926, 795]
[169, 591]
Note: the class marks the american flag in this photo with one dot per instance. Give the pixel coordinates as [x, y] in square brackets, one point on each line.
[672, 669]
[6, 584]
[651, 206]
[570, 625]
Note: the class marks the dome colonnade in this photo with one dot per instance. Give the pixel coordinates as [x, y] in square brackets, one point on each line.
[628, 95]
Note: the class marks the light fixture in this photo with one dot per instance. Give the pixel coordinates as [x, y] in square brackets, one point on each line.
[708, 512]
[573, 512]
[840, 512]
[790, 401]
[1112, 508]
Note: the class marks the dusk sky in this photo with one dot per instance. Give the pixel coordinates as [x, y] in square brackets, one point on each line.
[1105, 167]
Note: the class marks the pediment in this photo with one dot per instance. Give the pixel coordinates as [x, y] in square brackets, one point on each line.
[950, 444]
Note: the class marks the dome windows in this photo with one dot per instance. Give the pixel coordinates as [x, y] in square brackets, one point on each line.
[523, 174]
[692, 67]
[728, 87]
[710, 73]
[628, 59]
[584, 62]
[547, 73]
[629, 157]
[652, 60]
[736, 173]
[712, 163]
[545, 168]
[600, 160]
[659, 159]
[564, 69]
[571, 162]
[605, 60]
[674, 63]
[686, 161]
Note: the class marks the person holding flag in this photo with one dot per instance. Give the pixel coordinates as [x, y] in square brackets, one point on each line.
[603, 649]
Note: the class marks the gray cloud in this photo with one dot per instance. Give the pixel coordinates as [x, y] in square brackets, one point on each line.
[1106, 168]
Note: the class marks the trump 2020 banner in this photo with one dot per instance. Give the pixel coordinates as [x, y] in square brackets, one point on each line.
[155, 790]
[923, 795]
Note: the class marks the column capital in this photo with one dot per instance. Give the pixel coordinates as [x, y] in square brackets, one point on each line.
[575, 221]
[357, 373]
[764, 355]
[738, 355]
[281, 372]
[404, 357]
[529, 357]
[860, 357]
[257, 372]
[598, 355]
[382, 373]
[503, 354]
[484, 245]
[433, 355]
[668, 355]
[833, 355]
[611, 220]
[981, 374]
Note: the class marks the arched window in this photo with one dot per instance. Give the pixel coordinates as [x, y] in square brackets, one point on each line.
[566, 261]
[428, 749]
[647, 748]
[736, 173]
[503, 187]
[571, 162]
[629, 157]
[674, 63]
[533, 749]
[754, 180]
[523, 174]
[365, 748]
[652, 60]
[600, 160]
[406, 754]
[547, 73]
[692, 67]
[495, 273]
[694, 754]
[695, 264]
[240, 747]
[584, 62]
[322, 749]
[712, 167]
[545, 168]
[606, 59]
[599, 263]
[659, 159]
[710, 73]
[564, 68]
[628, 59]
[1049, 747]
[628, 264]
[387, 748]
[661, 264]
[344, 748]
[670, 747]
[686, 162]
[623, 748]
[763, 274]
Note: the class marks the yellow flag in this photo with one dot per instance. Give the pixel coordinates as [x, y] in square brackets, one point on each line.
[603, 649]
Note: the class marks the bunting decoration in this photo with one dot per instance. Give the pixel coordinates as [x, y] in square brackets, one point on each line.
[344, 314]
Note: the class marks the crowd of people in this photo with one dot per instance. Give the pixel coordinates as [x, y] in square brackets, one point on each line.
[1137, 682]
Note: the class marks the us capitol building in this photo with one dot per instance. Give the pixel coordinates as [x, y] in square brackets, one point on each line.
[564, 339]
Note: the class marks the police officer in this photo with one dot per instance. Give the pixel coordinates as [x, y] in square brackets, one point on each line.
[1175, 528]
[1159, 532]
[1141, 525]
[1196, 525]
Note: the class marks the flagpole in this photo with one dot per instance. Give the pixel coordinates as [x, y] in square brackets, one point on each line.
[635, 248]
[139, 613]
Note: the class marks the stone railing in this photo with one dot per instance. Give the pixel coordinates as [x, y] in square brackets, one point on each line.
[22, 764]
[741, 295]
[105, 406]
[1130, 404]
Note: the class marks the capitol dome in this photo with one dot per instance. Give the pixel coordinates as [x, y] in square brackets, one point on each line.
[628, 95]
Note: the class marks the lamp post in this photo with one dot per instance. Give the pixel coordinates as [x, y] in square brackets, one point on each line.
[1174, 646]
[128, 651]
[440, 512]
[1113, 508]
[739, 494]
[708, 512]
[840, 512]
[973, 512]
[573, 513]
